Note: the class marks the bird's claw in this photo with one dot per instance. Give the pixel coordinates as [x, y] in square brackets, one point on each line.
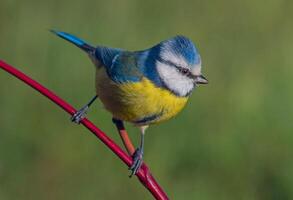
[137, 161]
[79, 115]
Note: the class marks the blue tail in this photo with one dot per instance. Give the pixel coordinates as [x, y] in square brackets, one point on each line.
[74, 40]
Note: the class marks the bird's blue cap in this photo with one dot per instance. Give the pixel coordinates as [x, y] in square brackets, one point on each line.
[181, 45]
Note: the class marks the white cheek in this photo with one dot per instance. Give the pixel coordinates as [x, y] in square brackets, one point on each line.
[174, 80]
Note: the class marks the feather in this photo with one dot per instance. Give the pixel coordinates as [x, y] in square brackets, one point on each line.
[74, 40]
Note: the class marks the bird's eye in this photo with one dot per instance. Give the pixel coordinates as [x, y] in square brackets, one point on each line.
[184, 70]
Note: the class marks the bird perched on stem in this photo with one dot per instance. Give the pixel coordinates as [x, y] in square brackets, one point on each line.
[143, 87]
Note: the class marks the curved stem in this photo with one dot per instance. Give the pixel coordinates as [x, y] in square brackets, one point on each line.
[143, 174]
[124, 136]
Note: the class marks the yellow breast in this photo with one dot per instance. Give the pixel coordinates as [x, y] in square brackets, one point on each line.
[135, 102]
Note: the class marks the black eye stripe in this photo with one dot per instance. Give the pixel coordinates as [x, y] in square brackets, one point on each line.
[167, 62]
[182, 70]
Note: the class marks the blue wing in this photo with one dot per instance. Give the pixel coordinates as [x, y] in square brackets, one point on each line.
[106, 55]
[124, 66]
[121, 66]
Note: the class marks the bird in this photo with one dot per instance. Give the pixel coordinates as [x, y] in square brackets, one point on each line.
[143, 87]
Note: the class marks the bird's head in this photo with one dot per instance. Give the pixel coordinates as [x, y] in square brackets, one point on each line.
[178, 64]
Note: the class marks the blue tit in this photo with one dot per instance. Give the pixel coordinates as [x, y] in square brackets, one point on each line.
[143, 87]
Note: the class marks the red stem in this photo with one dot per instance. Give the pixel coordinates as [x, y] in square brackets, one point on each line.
[124, 137]
[143, 174]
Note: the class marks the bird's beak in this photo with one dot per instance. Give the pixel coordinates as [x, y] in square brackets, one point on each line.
[201, 80]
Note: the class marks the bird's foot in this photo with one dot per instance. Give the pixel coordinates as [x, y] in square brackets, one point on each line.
[79, 115]
[137, 161]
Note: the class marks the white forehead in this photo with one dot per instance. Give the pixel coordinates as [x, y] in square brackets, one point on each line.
[196, 70]
[174, 80]
[167, 54]
[178, 60]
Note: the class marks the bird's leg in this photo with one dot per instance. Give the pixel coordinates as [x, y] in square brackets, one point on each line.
[80, 114]
[124, 136]
[138, 154]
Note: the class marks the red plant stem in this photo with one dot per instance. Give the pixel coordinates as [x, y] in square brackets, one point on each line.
[143, 174]
[124, 136]
[127, 142]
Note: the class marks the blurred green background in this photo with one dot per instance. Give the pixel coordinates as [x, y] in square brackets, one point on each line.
[234, 140]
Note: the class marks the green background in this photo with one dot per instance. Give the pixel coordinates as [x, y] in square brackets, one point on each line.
[234, 140]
